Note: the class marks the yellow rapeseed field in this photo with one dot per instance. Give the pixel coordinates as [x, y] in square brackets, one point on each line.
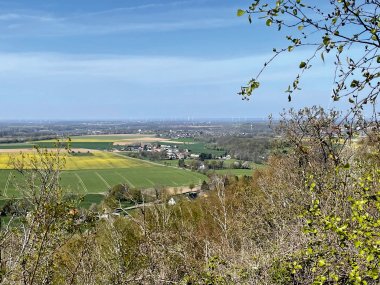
[92, 160]
[101, 160]
[4, 160]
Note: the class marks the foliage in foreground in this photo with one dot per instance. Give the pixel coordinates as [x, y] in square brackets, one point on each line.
[310, 217]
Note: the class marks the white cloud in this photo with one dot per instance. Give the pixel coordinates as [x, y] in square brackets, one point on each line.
[173, 16]
[76, 85]
[134, 8]
[155, 70]
[39, 17]
[9, 16]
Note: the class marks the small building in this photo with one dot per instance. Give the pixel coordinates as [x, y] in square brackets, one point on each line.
[172, 202]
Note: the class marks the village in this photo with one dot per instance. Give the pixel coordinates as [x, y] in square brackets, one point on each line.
[165, 151]
[201, 160]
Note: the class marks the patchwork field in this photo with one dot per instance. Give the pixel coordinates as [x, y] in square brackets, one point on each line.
[117, 139]
[108, 138]
[99, 142]
[97, 171]
[108, 142]
[91, 170]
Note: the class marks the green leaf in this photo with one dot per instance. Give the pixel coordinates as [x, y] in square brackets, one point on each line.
[370, 257]
[326, 40]
[240, 12]
[269, 22]
[302, 64]
[378, 59]
[300, 28]
[354, 83]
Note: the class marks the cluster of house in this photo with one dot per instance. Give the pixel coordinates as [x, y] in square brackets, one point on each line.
[171, 151]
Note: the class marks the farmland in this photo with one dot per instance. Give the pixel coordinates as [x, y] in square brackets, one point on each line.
[86, 160]
[99, 142]
[91, 169]
[99, 181]
[102, 142]
[194, 146]
[107, 142]
[97, 171]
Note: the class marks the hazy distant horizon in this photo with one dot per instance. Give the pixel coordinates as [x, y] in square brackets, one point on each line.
[203, 120]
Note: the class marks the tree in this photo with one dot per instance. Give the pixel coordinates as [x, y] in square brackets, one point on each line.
[339, 184]
[343, 245]
[119, 192]
[29, 249]
[204, 156]
[205, 186]
[347, 29]
[181, 163]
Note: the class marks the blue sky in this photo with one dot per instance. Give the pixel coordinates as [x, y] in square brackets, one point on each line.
[108, 59]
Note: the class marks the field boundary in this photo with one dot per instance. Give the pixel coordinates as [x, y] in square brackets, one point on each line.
[126, 180]
[7, 185]
[81, 182]
[151, 162]
[150, 181]
[101, 178]
[147, 161]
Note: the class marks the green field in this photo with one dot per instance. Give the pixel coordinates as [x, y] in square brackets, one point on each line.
[15, 145]
[99, 181]
[86, 145]
[106, 142]
[93, 171]
[98, 172]
[194, 146]
[108, 138]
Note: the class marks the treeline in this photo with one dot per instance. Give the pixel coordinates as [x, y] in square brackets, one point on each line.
[254, 149]
[147, 155]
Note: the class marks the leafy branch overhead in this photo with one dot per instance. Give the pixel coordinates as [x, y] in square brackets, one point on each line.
[347, 30]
